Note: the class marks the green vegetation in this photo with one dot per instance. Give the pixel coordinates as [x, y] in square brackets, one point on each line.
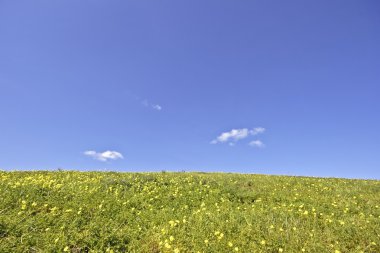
[68, 211]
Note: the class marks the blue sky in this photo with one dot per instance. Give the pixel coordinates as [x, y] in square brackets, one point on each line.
[274, 87]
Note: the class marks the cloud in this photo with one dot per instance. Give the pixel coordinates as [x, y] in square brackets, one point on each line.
[257, 144]
[146, 103]
[233, 135]
[105, 156]
[237, 134]
[157, 107]
[257, 130]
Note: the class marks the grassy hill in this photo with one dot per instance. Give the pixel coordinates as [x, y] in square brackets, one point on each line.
[186, 212]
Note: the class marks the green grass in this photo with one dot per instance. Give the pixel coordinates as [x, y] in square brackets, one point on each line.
[186, 212]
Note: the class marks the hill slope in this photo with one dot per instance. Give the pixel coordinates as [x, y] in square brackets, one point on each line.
[186, 212]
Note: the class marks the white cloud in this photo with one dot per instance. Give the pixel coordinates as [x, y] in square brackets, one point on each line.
[233, 135]
[146, 103]
[157, 107]
[257, 130]
[105, 156]
[237, 134]
[257, 144]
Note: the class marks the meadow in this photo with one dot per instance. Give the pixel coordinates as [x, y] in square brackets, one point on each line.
[69, 211]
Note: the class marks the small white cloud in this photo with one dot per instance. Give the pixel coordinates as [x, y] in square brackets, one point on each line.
[233, 135]
[237, 134]
[257, 130]
[157, 107]
[105, 156]
[257, 144]
[146, 103]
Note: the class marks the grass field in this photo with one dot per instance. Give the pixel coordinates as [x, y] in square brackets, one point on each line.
[66, 211]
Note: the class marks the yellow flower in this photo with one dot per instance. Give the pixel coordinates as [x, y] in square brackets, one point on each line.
[206, 241]
[171, 238]
[236, 249]
[280, 250]
[262, 242]
[230, 244]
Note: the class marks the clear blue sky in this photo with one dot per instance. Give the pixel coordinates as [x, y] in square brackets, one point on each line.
[159, 82]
